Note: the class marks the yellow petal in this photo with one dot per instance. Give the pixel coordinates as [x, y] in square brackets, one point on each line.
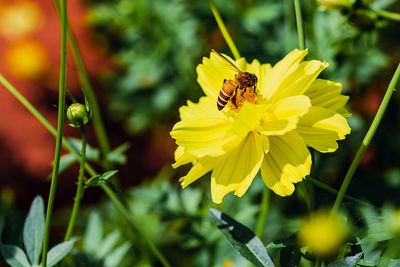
[182, 157]
[203, 136]
[284, 115]
[207, 107]
[201, 167]
[238, 169]
[300, 80]
[212, 72]
[321, 128]
[247, 119]
[288, 161]
[279, 72]
[327, 94]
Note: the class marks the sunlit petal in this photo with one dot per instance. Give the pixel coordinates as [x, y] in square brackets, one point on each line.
[320, 128]
[284, 115]
[288, 161]
[238, 169]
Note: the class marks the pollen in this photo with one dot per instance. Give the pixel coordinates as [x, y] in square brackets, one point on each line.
[243, 95]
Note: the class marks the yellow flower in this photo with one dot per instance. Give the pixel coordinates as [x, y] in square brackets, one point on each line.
[323, 234]
[269, 130]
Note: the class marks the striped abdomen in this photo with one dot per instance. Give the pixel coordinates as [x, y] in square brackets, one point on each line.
[226, 93]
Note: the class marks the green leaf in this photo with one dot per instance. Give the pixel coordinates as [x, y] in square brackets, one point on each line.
[101, 179]
[115, 258]
[241, 238]
[94, 233]
[367, 263]
[58, 252]
[34, 230]
[65, 162]
[108, 244]
[117, 155]
[350, 261]
[14, 256]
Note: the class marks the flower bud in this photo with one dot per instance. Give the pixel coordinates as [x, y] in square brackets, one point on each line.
[77, 115]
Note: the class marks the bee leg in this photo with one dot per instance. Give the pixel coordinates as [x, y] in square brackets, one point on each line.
[244, 91]
[233, 98]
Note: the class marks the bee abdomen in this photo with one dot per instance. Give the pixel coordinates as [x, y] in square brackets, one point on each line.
[225, 93]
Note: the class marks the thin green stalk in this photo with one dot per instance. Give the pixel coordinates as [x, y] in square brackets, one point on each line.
[111, 194]
[60, 123]
[83, 76]
[318, 262]
[367, 139]
[223, 30]
[299, 22]
[388, 15]
[80, 189]
[263, 213]
[334, 191]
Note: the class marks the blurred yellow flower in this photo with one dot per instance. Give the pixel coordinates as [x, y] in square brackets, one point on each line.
[27, 59]
[334, 4]
[21, 19]
[269, 130]
[323, 234]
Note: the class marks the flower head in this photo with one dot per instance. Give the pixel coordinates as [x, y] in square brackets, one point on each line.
[265, 128]
[322, 233]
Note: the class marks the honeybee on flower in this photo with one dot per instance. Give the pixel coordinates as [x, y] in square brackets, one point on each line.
[267, 129]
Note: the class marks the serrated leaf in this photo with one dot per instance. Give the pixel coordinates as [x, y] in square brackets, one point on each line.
[115, 258]
[241, 238]
[101, 179]
[58, 252]
[108, 244]
[14, 256]
[350, 261]
[34, 230]
[93, 233]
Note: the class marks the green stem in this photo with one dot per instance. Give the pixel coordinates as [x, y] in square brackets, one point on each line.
[117, 202]
[60, 123]
[80, 188]
[367, 139]
[299, 22]
[83, 76]
[318, 262]
[388, 15]
[223, 30]
[263, 213]
[334, 191]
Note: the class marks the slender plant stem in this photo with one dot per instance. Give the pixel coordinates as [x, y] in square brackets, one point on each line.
[83, 76]
[299, 22]
[60, 123]
[263, 213]
[334, 191]
[223, 30]
[111, 194]
[80, 189]
[388, 15]
[318, 262]
[367, 140]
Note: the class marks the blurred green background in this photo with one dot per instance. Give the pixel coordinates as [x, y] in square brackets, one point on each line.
[142, 56]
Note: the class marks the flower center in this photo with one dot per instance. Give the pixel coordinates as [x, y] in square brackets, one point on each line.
[247, 94]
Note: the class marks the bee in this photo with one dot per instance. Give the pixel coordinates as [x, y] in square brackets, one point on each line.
[230, 88]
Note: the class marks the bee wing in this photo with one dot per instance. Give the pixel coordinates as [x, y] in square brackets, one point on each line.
[230, 63]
